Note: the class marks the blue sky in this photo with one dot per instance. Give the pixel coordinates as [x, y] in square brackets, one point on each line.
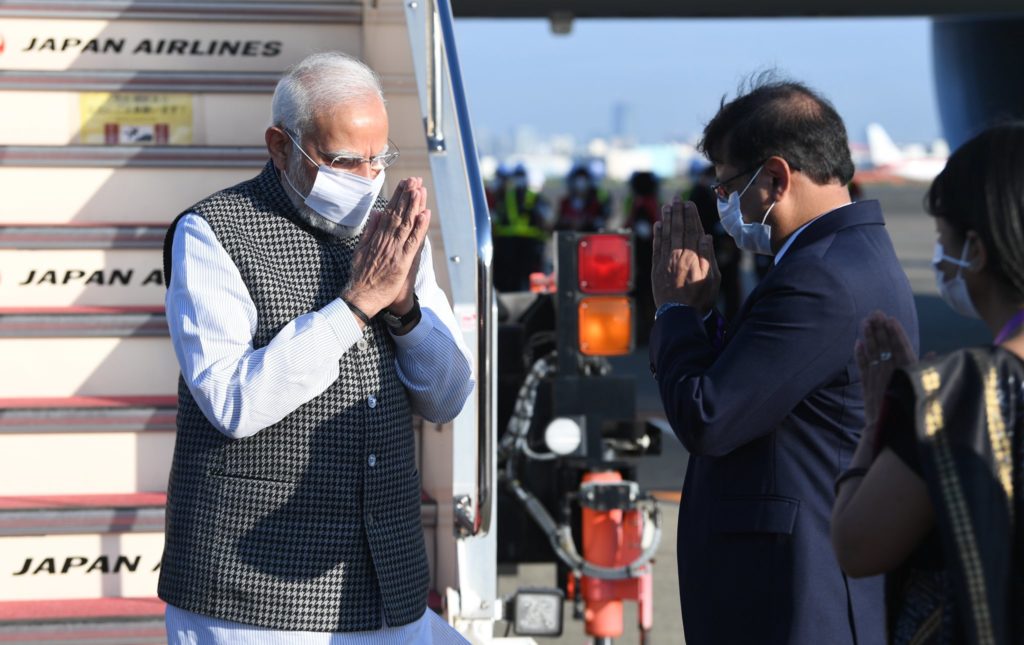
[673, 73]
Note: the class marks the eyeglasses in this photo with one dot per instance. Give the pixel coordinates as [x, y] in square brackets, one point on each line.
[350, 163]
[719, 187]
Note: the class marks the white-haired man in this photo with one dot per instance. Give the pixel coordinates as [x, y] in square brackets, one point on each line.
[309, 328]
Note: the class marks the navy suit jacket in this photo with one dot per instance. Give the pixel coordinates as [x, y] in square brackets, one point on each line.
[771, 415]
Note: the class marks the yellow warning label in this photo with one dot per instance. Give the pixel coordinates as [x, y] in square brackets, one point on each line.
[130, 118]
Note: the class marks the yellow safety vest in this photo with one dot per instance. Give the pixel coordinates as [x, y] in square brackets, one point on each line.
[516, 223]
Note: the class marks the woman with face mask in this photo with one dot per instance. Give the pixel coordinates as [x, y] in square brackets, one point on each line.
[933, 494]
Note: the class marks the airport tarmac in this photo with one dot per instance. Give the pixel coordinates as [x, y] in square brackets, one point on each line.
[913, 234]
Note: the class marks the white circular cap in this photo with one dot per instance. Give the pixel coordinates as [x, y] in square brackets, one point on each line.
[563, 436]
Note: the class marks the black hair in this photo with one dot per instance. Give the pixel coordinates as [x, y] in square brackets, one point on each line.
[771, 117]
[581, 171]
[644, 182]
[981, 189]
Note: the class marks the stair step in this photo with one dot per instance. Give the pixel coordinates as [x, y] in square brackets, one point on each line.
[88, 414]
[58, 352]
[69, 322]
[94, 194]
[20, 611]
[228, 118]
[79, 514]
[36, 276]
[74, 80]
[264, 11]
[116, 183]
[87, 444]
[191, 157]
[88, 402]
[196, 82]
[79, 322]
[80, 546]
[82, 310]
[54, 266]
[99, 621]
[94, 236]
[99, 365]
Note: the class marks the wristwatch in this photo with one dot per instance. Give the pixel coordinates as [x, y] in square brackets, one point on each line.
[408, 319]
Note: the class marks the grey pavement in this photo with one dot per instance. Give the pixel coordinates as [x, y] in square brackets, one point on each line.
[913, 235]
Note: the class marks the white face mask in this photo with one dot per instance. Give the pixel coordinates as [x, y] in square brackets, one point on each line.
[756, 238]
[342, 197]
[954, 291]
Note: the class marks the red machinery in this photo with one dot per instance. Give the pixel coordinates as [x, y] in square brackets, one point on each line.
[613, 538]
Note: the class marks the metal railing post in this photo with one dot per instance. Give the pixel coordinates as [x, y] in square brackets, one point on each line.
[473, 516]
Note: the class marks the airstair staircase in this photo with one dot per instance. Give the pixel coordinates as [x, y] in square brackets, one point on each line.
[117, 115]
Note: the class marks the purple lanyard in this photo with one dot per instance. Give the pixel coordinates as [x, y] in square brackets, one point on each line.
[1010, 327]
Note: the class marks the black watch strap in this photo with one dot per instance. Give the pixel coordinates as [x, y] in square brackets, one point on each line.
[358, 312]
[395, 322]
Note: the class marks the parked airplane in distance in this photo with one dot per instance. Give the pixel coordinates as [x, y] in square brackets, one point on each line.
[911, 163]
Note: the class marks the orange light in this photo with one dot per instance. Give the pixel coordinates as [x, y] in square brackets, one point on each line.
[605, 263]
[606, 326]
[543, 283]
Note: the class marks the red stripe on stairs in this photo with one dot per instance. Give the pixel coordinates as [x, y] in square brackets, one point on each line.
[58, 502]
[92, 608]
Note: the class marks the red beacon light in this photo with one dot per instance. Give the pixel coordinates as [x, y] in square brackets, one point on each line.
[605, 263]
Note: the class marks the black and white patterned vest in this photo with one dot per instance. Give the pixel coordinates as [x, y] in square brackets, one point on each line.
[312, 524]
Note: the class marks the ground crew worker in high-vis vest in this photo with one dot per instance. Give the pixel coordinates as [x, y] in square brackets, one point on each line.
[520, 224]
[586, 207]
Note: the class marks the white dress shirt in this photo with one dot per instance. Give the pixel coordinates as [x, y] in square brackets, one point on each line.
[187, 628]
[797, 232]
[242, 390]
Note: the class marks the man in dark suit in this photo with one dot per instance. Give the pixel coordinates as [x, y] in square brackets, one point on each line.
[770, 406]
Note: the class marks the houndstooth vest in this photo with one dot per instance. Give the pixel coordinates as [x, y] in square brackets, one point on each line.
[312, 524]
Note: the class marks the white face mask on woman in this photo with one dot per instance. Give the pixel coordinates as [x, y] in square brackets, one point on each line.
[954, 291]
[756, 238]
[342, 197]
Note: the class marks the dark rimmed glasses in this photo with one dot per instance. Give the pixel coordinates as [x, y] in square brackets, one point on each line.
[719, 187]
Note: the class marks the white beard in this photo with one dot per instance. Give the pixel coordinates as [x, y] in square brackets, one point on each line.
[295, 168]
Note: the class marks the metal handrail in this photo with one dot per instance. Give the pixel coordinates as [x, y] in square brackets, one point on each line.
[435, 60]
[480, 508]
